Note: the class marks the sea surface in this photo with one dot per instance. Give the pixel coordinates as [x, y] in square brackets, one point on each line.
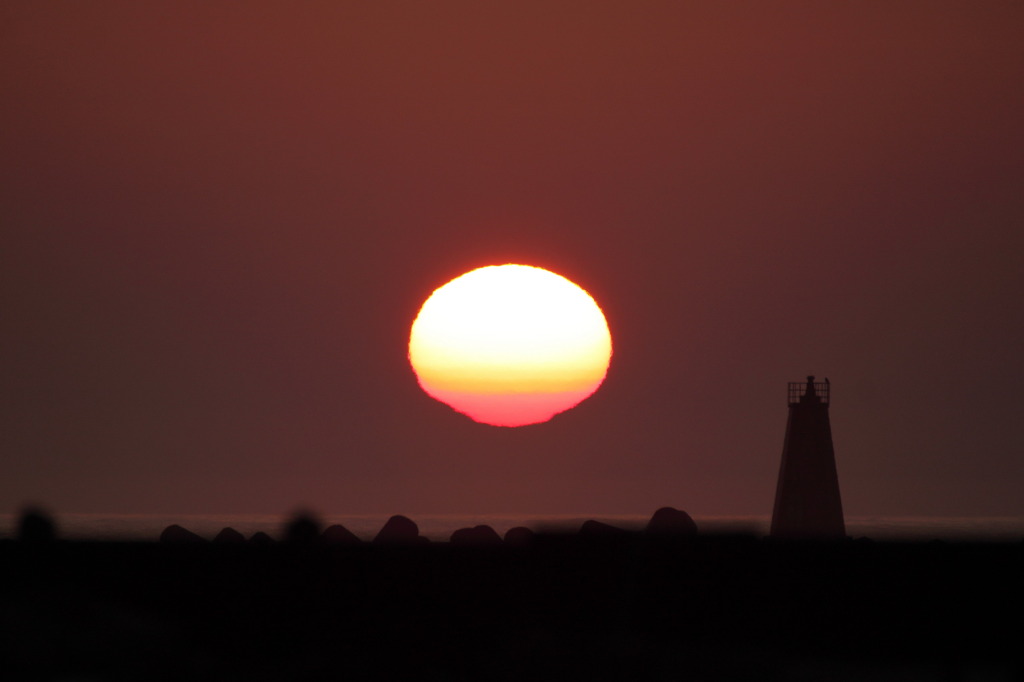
[147, 527]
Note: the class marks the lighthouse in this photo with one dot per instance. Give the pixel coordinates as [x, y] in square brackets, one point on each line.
[807, 502]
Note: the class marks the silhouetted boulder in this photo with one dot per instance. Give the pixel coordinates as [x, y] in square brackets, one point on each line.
[303, 530]
[602, 530]
[36, 527]
[229, 536]
[339, 535]
[669, 521]
[399, 530]
[176, 535]
[520, 536]
[261, 539]
[478, 536]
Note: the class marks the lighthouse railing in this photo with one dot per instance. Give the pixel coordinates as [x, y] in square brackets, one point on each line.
[798, 388]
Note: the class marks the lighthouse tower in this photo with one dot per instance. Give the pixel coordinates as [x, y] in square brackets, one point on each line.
[807, 502]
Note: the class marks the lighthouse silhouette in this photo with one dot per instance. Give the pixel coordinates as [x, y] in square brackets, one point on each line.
[807, 502]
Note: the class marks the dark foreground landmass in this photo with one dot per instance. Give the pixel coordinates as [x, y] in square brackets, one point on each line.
[623, 607]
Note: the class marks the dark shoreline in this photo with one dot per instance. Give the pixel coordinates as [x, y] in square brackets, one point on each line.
[563, 607]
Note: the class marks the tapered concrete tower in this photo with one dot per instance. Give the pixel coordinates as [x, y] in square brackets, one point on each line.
[807, 502]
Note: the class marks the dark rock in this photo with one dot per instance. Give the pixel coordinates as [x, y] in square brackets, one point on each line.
[261, 539]
[399, 530]
[597, 529]
[671, 521]
[176, 535]
[520, 536]
[36, 527]
[303, 530]
[339, 535]
[476, 536]
[229, 536]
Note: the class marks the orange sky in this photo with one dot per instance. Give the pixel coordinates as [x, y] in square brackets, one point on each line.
[219, 221]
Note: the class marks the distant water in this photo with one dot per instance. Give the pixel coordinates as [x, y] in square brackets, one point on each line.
[147, 527]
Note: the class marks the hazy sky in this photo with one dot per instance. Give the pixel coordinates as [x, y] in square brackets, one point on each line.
[219, 220]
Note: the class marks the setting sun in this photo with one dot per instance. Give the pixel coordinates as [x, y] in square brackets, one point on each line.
[510, 345]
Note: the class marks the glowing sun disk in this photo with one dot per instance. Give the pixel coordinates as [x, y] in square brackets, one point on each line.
[510, 345]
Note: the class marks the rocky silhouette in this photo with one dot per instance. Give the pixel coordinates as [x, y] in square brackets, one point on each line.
[229, 536]
[478, 536]
[261, 539]
[338, 534]
[36, 527]
[519, 536]
[669, 521]
[398, 530]
[616, 605]
[176, 535]
[303, 530]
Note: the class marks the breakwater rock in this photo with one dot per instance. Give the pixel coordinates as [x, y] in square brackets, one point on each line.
[599, 606]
